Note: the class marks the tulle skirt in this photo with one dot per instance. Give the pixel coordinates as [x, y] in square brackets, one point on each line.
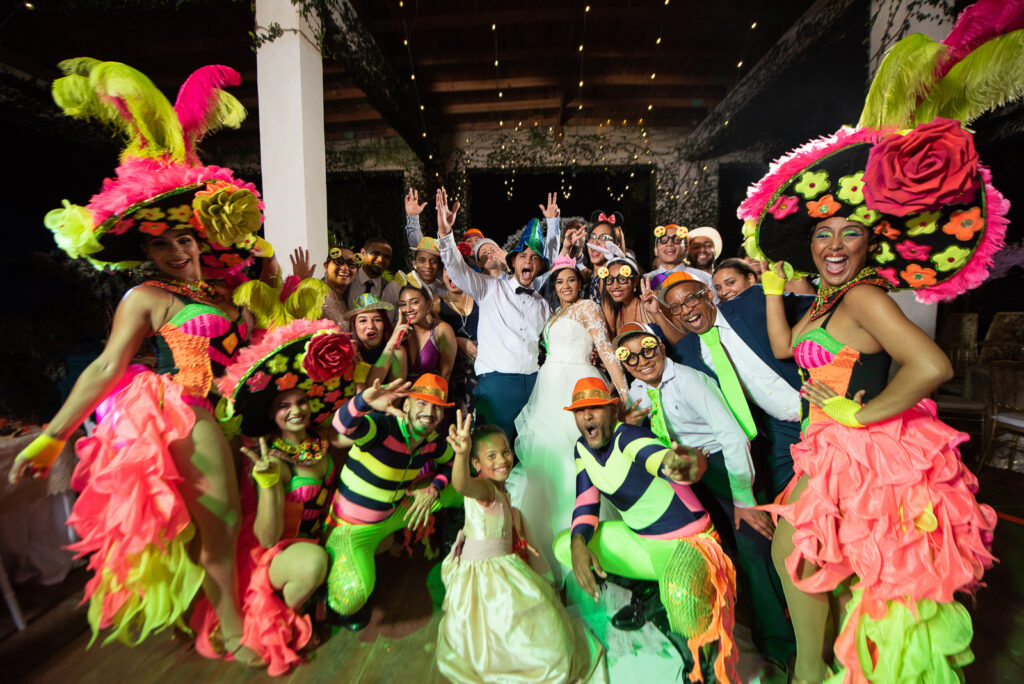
[130, 515]
[892, 506]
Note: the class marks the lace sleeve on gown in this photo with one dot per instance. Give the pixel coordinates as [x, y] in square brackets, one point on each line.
[588, 313]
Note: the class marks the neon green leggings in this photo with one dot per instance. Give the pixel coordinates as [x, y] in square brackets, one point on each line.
[352, 547]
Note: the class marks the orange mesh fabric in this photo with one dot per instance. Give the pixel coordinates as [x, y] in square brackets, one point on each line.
[836, 375]
[191, 359]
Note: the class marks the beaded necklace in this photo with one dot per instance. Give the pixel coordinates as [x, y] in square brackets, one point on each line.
[307, 454]
[828, 297]
[193, 289]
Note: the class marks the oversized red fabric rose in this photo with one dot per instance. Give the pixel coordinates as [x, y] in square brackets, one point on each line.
[328, 355]
[932, 165]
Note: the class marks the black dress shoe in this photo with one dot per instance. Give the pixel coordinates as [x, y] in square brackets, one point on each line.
[643, 602]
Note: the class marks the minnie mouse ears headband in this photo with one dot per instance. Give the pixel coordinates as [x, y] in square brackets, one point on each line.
[612, 219]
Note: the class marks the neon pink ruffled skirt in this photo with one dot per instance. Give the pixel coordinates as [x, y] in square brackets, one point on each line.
[270, 628]
[130, 515]
[892, 505]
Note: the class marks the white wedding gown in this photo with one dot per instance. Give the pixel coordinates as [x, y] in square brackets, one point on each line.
[543, 483]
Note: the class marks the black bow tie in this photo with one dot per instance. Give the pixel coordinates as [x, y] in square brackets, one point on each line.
[524, 290]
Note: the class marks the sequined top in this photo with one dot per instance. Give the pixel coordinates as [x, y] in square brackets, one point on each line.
[628, 472]
[197, 344]
[305, 502]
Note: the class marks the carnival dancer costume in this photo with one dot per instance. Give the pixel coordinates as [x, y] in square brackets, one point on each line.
[370, 501]
[665, 534]
[129, 514]
[890, 504]
[313, 357]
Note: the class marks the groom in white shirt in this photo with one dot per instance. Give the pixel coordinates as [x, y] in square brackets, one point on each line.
[512, 315]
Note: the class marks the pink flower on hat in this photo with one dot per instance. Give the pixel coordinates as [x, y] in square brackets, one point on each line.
[932, 165]
[784, 206]
[911, 251]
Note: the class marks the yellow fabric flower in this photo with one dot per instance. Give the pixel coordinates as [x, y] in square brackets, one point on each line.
[229, 214]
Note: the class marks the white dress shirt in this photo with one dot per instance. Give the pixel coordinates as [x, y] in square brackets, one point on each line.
[770, 391]
[508, 334]
[697, 416]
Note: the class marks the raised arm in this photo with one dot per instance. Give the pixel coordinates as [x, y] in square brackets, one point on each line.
[413, 209]
[351, 419]
[268, 526]
[461, 444]
[588, 314]
[475, 284]
[139, 313]
[780, 334]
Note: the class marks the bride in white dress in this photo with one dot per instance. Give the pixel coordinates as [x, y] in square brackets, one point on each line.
[543, 483]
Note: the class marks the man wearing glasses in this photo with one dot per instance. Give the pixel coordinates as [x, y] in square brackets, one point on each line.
[687, 407]
[670, 242]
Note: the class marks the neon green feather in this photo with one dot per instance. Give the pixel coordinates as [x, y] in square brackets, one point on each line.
[904, 78]
[308, 299]
[988, 77]
[126, 99]
[263, 301]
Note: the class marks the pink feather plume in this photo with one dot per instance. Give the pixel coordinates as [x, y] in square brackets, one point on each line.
[197, 99]
[979, 23]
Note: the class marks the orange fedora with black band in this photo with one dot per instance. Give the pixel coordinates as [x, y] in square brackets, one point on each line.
[590, 392]
[431, 388]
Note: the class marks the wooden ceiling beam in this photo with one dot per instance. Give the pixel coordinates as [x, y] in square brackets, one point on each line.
[357, 51]
[507, 105]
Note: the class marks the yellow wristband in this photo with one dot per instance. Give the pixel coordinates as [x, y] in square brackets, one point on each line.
[842, 410]
[42, 452]
[267, 478]
[772, 283]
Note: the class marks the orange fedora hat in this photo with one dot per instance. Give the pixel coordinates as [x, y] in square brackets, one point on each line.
[590, 392]
[431, 388]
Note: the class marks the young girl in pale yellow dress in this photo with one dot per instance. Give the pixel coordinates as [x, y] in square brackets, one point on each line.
[503, 621]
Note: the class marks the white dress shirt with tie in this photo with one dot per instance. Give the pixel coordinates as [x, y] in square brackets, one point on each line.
[770, 391]
[508, 334]
[696, 416]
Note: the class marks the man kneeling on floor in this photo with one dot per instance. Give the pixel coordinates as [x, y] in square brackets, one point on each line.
[665, 534]
[390, 447]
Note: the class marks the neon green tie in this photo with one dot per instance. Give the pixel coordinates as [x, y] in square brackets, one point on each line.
[658, 425]
[729, 382]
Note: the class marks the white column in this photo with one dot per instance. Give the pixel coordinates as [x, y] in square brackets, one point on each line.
[289, 76]
[894, 20]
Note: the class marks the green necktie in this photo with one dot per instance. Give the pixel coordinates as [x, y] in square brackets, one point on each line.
[729, 382]
[658, 425]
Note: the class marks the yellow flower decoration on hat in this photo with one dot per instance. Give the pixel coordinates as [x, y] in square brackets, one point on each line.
[622, 353]
[648, 343]
[626, 271]
[659, 231]
[228, 213]
[602, 272]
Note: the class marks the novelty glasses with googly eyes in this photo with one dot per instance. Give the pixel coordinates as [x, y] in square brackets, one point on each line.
[632, 358]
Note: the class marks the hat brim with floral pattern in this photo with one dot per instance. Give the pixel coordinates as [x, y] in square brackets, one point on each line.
[313, 356]
[924, 196]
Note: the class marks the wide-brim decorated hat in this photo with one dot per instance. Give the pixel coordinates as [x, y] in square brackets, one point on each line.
[367, 302]
[426, 244]
[313, 356]
[923, 194]
[590, 392]
[908, 171]
[160, 184]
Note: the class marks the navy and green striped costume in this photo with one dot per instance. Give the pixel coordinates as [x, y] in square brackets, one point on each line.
[380, 466]
[628, 472]
[373, 484]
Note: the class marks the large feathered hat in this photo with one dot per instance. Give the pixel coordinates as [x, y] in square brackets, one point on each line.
[160, 183]
[908, 171]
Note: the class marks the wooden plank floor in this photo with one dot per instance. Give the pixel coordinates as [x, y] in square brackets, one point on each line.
[399, 643]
